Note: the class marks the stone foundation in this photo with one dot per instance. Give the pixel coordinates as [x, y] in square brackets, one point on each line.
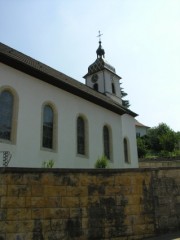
[53, 204]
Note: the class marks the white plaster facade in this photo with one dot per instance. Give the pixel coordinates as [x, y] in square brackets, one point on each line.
[31, 94]
[141, 129]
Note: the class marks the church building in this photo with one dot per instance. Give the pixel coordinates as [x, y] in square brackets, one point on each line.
[46, 115]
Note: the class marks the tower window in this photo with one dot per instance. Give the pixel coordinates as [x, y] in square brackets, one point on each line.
[113, 88]
[96, 87]
[6, 114]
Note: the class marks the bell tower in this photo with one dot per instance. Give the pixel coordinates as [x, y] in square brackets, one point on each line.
[102, 76]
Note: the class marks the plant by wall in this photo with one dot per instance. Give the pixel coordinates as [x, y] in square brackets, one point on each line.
[102, 162]
[48, 164]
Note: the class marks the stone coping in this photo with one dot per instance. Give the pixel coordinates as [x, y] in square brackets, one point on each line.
[77, 170]
[160, 159]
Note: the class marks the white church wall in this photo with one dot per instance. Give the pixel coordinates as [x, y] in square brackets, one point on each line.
[27, 151]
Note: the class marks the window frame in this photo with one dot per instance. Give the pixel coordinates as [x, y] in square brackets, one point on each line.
[110, 146]
[126, 150]
[86, 148]
[54, 127]
[14, 118]
[96, 87]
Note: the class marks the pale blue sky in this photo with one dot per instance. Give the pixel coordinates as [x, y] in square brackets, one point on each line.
[141, 39]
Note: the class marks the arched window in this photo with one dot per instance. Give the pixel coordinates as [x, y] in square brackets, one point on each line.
[113, 88]
[48, 127]
[106, 140]
[126, 151]
[6, 114]
[96, 87]
[81, 138]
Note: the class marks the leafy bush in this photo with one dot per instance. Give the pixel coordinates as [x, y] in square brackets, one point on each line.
[141, 147]
[162, 138]
[48, 164]
[102, 162]
[160, 141]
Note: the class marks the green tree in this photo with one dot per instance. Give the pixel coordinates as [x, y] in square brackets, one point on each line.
[178, 140]
[125, 103]
[141, 147]
[177, 151]
[161, 139]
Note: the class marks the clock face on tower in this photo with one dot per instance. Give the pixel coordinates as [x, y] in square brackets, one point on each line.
[94, 78]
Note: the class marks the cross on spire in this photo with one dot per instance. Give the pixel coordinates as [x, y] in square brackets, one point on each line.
[99, 35]
[100, 51]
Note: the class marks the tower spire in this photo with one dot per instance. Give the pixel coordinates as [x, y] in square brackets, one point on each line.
[100, 51]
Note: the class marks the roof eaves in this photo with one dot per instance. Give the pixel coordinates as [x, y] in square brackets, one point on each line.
[67, 84]
[88, 74]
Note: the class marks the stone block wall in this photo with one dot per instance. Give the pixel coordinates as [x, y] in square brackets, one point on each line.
[53, 204]
[159, 162]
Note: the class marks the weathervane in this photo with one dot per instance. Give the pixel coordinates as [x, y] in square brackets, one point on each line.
[99, 35]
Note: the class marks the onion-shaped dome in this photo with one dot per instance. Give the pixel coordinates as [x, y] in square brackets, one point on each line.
[100, 51]
[99, 65]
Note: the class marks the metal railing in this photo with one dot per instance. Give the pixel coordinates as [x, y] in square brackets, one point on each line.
[6, 157]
